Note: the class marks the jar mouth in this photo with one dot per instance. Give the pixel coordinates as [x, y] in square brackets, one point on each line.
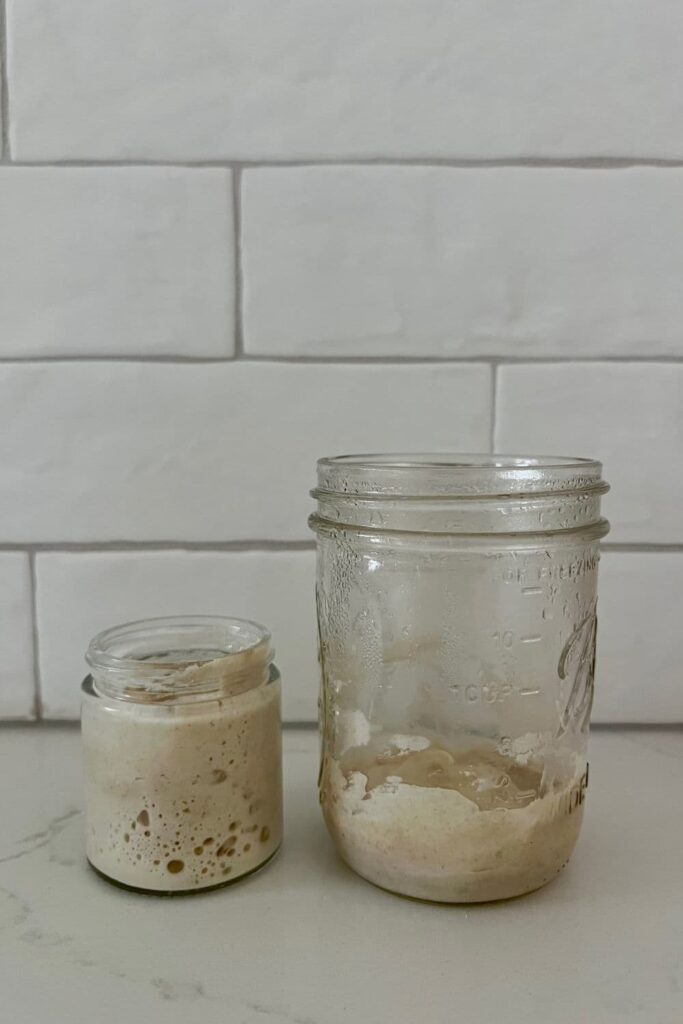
[179, 658]
[459, 494]
[455, 475]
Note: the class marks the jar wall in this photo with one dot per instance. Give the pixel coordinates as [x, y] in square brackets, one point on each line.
[457, 679]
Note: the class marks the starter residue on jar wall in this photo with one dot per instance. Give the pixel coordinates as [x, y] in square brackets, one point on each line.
[186, 795]
[469, 825]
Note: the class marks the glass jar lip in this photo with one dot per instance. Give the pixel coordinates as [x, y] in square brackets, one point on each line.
[147, 654]
[455, 475]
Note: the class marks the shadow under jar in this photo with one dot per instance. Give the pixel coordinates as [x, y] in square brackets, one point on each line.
[182, 753]
[456, 603]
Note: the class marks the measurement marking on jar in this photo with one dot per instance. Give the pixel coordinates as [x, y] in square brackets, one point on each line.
[532, 591]
[491, 692]
[530, 639]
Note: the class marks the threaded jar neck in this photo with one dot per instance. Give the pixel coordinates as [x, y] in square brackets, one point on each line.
[459, 494]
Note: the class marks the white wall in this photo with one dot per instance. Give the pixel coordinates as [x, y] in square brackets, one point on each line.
[239, 234]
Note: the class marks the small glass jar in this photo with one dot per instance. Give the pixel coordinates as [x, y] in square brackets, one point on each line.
[182, 753]
[457, 619]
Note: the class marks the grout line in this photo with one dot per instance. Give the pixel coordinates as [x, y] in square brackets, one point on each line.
[475, 163]
[494, 399]
[636, 548]
[41, 723]
[5, 154]
[37, 681]
[262, 546]
[560, 360]
[463, 163]
[389, 360]
[636, 726]
[161, 545]
[237, 255]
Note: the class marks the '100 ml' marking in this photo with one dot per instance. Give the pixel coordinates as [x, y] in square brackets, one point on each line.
[489, 693]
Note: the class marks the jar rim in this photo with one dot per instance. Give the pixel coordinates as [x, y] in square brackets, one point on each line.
[156, 656]
[456, 475]
[449, 460]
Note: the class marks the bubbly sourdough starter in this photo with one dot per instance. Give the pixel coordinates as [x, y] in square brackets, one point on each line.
[183, 796]
[467, 826]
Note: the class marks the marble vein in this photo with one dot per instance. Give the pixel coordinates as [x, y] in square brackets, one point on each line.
[37, 840]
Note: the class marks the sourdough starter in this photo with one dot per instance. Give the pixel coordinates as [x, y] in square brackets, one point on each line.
[470, 825]
[183, 796]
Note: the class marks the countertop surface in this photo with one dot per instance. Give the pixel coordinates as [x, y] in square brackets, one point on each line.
[307, 942]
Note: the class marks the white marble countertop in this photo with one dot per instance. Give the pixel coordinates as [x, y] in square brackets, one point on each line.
[306, 942]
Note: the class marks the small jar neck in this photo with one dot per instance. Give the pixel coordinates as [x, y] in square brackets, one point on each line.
[179, 660]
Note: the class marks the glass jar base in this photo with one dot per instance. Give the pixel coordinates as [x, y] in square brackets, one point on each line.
[501, 894]
[194, 891]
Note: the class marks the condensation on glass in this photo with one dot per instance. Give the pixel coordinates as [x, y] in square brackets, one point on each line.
[457, 620]
[182, 753]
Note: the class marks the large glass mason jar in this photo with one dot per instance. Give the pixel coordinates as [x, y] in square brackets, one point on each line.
[457, 619]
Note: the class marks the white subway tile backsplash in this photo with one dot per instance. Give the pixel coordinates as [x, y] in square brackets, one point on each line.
[438, 261]
[639, 676]
[500, 183]
[80, 594]
[629, 415]
[258, 78]
[208, 452]
[639, 669]
[116, 261]
[17, 688]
